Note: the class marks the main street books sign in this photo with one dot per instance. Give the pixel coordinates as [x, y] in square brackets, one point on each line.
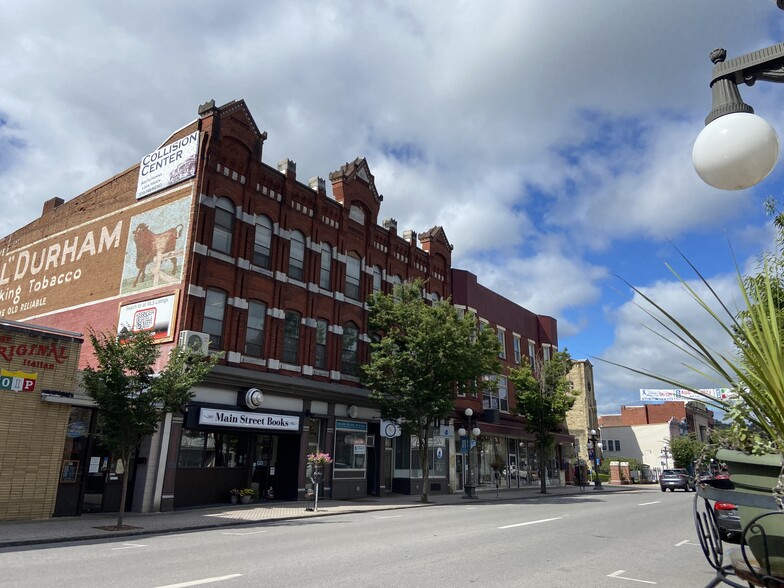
[248, 420]
[168, 165]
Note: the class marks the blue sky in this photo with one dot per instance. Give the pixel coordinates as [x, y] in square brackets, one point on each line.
[551, 140]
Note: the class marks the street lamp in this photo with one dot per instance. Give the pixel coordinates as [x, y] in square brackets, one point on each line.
[469, 431]
[594, 453]
[738, 149]
[665, 455]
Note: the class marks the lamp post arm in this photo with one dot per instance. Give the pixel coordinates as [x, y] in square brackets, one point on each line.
[765, 64]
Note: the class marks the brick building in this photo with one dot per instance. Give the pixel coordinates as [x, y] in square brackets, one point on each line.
[524, 337]
[43, 432]
[643, 432]
[205, 244]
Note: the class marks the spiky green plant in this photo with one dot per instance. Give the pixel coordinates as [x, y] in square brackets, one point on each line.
[755, 371]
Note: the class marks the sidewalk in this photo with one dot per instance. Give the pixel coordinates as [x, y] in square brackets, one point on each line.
[92, 526]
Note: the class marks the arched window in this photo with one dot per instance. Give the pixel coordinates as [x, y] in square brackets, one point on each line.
[223, 229]
[377, 279]
[297, 256]
[348, 363]
[262, 242]
[254, 334]
[353, 272]
[356, 213]
[321, 344]
[291, 337]
[214, 316]
[325, 277]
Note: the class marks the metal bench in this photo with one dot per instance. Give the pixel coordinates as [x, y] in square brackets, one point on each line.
[738, 564]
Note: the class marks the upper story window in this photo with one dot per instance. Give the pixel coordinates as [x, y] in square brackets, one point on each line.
[377, 279]
[532, 353]
[325, 277]
[214, 316]
[356, 213]
[262, 242]
[499, 398]
[297, 256]
[353, 272]
[254, 334]
[348, 363]
[517, 349]
[291, 337]
[546, 352]
[223, 229]
[321, 344]
[502, 342]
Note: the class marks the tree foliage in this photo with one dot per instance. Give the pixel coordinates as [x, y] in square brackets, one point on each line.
[423, 355]
[544, 396]
[685, 451]
[132, 398]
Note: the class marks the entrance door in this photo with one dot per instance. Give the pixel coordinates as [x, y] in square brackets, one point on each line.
[459, 472]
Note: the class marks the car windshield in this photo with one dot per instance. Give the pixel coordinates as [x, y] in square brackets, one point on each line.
[674, 472]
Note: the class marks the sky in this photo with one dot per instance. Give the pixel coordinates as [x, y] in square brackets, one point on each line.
[551, 140]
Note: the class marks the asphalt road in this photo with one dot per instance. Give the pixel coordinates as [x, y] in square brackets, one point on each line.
[624, 539]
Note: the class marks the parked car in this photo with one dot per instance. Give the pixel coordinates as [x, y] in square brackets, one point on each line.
[727, 519]
[676, 478]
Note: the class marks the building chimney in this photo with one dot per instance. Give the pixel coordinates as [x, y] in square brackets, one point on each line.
[318, 185]
[390, 225]
[288, 167]
[410, 236]
[51, 204]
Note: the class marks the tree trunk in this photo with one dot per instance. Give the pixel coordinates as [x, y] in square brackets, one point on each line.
[424, 455]
[126, 457]
[542, 469]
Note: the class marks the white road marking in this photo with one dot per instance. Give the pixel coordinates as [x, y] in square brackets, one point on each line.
[530, 523]
[618, 575]
[686, 542]
[647, 503]
[199, 582]
[243, 534]
[128, 546]
[390, 517]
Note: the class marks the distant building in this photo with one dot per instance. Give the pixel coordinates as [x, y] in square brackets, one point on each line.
[582, 418]
[643, 432]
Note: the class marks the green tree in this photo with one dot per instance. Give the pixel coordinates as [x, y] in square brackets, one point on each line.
[685, 451]
[423, 355]
[132, 398]
[544, 396]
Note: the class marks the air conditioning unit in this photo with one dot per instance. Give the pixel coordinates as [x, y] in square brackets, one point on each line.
[195, 340]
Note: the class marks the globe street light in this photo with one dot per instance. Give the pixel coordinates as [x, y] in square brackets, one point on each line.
[594, 453]
[470, 486]
[738, 149]
[665, 455]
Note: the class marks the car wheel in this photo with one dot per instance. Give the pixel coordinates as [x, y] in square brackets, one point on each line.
[664, 489]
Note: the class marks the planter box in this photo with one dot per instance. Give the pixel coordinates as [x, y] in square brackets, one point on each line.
[757, 475]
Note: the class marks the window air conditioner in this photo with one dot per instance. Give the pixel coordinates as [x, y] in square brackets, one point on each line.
[195, 340]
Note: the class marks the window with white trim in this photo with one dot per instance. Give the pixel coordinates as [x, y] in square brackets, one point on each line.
[214, 315]
[502, 341]
[325, 277]
[497, 399]
[254, 333]
[532, 353]
[517, 345]
[262, 242]
[297, 256]
[223, 228]
[353, 273]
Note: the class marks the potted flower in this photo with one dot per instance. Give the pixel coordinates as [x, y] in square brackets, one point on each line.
[246, 495]
[319, 458]
[755, 374]
[234, 495]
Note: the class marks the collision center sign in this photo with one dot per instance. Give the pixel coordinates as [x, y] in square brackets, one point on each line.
[168, 165]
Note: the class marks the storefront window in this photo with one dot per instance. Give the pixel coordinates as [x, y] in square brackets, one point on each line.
[350, 445]
[201, 449]
[437, 457]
